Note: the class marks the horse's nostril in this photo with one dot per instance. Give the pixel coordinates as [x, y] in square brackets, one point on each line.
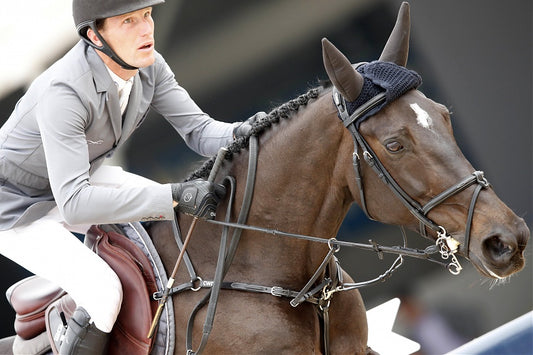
[502, 251]
[498, 249]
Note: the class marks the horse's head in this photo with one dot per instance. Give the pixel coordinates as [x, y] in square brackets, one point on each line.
[425, 181]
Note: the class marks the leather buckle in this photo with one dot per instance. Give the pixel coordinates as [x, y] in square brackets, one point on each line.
[278, 291]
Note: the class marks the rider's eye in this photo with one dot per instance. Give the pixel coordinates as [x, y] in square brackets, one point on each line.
[394, 147]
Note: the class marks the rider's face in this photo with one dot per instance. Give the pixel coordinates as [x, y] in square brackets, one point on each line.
[131, 36]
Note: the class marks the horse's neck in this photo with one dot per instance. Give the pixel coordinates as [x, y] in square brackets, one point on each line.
[300, 176]
[300, 188]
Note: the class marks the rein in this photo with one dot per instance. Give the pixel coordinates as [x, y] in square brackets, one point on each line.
[333, 243]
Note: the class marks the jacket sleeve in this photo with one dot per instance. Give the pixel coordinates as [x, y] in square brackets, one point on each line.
[62, 119]
[202, 133]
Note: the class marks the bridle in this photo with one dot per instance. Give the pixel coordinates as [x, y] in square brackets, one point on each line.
[327, 279]
[447, 244]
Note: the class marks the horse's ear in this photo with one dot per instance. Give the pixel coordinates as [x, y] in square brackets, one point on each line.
[340, 71]
[397, 48]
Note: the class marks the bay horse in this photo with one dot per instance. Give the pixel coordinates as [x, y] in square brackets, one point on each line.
[369, 138]
[400, 163]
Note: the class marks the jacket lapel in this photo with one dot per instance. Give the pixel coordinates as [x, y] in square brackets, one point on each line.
[104, 84]
[113, 108]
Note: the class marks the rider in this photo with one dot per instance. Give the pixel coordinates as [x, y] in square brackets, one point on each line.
[52, 180]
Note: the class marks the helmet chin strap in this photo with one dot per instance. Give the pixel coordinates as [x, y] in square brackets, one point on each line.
[105, 48]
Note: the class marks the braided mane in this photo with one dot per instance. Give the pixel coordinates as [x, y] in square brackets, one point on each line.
[284, 111]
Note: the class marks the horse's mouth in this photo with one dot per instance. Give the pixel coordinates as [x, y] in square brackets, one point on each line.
[500, 252]
[500, 271]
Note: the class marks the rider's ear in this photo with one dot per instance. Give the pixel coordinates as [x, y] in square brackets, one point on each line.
[93, 37]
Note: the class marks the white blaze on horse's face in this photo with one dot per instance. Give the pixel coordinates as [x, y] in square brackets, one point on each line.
[422, 117]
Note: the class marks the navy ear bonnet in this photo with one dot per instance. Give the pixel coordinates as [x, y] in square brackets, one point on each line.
[380, 77]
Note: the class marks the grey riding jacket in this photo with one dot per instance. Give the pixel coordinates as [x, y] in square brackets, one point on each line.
[66, 124]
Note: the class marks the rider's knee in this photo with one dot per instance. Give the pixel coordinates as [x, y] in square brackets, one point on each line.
[110, 291]
[104, 301]
[101, 286]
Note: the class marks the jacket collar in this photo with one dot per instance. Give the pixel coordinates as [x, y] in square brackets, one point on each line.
[102, 80]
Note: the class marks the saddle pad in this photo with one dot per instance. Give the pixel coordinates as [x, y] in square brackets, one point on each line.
[165, 337]
[40, 345]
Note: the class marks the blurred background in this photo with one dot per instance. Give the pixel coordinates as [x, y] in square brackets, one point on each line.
[236, 57]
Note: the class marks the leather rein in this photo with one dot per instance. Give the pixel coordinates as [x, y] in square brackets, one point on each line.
[328, 278]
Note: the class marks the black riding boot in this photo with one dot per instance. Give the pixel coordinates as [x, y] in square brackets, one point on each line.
[82, 337]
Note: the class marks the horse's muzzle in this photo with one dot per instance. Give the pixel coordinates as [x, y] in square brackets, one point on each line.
[503, 250]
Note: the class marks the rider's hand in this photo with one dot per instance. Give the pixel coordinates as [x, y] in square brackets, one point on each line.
[198, 198]
[245, 128]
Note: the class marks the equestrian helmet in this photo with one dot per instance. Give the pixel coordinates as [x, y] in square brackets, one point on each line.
[87, 12]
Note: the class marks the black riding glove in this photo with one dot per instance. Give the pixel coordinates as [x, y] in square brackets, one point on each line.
[198, 198]
[245, 128]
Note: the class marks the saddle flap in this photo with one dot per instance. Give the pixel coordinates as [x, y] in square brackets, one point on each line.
[138, 284]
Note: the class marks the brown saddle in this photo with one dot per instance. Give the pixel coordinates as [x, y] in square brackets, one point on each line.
[35, 299]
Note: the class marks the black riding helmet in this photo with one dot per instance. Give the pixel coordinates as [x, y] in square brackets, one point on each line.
[87, 12]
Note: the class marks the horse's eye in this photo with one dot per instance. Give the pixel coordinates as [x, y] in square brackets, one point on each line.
[394, 147]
